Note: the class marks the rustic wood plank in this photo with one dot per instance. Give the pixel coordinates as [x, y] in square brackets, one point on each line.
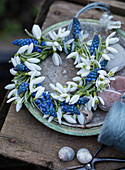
[61, 10]
[24, 138]
[116, 7]
[44, 8]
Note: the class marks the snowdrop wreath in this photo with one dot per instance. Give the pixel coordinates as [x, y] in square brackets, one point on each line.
[89, 57]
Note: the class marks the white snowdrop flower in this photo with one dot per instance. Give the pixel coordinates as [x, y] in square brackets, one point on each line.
[101, 100]
[13, 72]
[39, 92]
[38, 80]
[33, 60]
[53, 35]
[30, 48]
[111, 49]
[45, 116]
[59, 115]
[106, 21]
[22, 49]
[112, 72]
[31, 87]
[58, 85]
[69, 41]
[72, 55]
[38, 68]
[73, 86]
[56, 59]
[18, 104]
[17, 59]
[29, 66]
[89, 43]
[13, 62]
[105, 56]
[50, 119]
[37, 33]
[52, 86]
[81, 119]
[12, 99]
[10, 86]
[89, 103]
[12, 92]
[55, 45]
[95, 102]
[83, 36]
[34, 73]
[79, 79]
[69, 119]
[74, 99]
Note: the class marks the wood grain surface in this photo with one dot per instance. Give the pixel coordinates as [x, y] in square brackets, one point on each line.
[24, 138]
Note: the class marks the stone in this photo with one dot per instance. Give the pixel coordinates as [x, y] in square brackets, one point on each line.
[118, 60]
[113, 93]
[84, 156]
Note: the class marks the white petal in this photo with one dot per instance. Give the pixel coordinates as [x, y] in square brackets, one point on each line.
[18, 107]
[102, 72]
[70, 41]
[30, 48]
[114, 70]
[60, 112]
[71, 55]
[49, 43]
[81, 119]
[36, 31]
[29, 65]
[17, 60]
[106, 57]
[71, 83]
[77, 78]
[111, 49]
[57, 89]
[72, 89]
[22, 49]
[31, 87]
[33, 60]
[89, 43]
[59, 86]
[39, 92]
[13, 62]
[45, 116]
[67, 99]
[11, 99]
[50, 119]
[74, 99]
[38, 80]
[10, 86]
[113, 40]
[11, 93]
[101, 100]
[69, 119]
[111, 35]
[37, 67]
[13, 72]
[55, 59]
[52, 86]
[64, 34]
[52, 35]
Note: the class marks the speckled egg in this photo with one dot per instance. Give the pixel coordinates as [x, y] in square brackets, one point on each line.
[84, 156]
[66, 154]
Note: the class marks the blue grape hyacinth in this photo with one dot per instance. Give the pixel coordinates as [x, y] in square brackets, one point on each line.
[21, 67]
[92, 75]
[76, 28]
[23, 87]
[28, 41]
[45, 104]
[94, 45]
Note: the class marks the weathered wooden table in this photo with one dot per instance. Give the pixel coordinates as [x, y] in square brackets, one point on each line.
[22, 137]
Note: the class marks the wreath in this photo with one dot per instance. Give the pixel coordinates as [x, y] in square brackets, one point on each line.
[90, 58]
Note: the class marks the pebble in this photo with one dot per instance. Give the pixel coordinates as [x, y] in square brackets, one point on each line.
[84, 156]
[66, 154]
[113, 93]
[118, 60]
[64, 72]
